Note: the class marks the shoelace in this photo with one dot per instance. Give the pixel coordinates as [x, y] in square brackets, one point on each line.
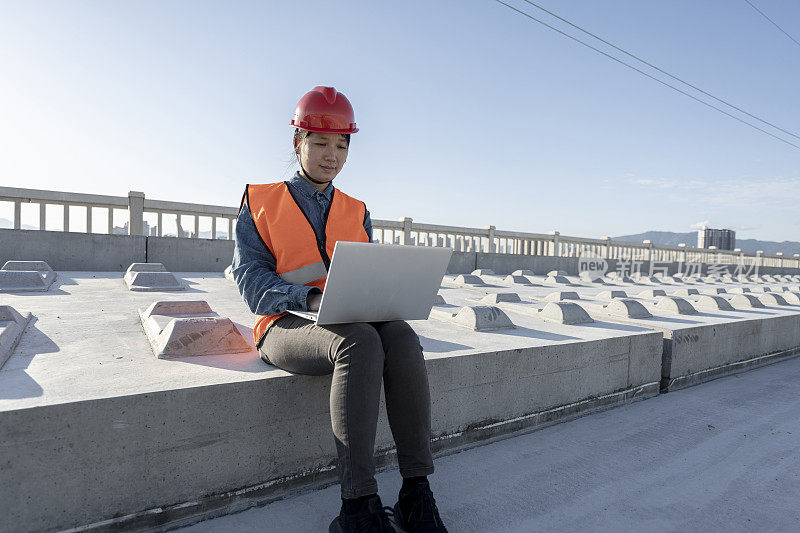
[424, 513]
[382, 516]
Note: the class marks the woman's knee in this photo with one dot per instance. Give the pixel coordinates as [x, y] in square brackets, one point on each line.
[397, 335]
[360, 344]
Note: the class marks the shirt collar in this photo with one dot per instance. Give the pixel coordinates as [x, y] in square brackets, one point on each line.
[302, 185]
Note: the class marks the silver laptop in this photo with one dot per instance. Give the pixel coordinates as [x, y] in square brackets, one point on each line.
[378, 282]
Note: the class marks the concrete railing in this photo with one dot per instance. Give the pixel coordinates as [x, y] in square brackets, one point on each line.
[135, 205]
[404, 231]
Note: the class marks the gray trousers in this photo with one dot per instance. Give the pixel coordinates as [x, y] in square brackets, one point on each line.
[359, 355]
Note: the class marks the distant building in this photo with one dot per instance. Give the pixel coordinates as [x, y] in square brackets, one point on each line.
[723, 239]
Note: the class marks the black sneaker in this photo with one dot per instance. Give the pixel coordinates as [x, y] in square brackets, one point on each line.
[373, 518]
[416, 511]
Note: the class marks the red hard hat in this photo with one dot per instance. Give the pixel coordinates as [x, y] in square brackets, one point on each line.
[324, 110]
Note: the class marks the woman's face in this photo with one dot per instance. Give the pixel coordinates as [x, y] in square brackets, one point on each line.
[323, 155]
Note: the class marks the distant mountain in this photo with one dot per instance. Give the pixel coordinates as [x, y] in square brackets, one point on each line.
[670, 238]
[7, 224]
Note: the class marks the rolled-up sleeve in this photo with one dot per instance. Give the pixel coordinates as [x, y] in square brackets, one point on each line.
[367, 223]
[253, 268]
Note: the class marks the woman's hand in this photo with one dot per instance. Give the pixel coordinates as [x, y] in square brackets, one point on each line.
[313, 301]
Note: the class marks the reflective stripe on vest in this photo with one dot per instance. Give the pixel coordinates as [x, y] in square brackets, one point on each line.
[305, 274]
[289, 236]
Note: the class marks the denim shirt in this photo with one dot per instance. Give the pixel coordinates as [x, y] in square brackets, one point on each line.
[253, 265]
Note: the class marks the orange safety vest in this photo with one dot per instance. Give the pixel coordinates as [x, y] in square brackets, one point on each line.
[288, 235]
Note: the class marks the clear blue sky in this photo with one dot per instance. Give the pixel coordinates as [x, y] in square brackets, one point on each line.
[469, 114]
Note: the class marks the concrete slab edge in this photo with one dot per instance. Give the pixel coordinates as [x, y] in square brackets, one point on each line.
[681, 382]
[187, 513]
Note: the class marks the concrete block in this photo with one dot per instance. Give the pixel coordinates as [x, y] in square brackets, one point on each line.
[675, 305]
[712, 302]
[792, 298]
[145, 267]
[483, 272]
[26, 280]
[626, 308]
[739, 290]
[557, 273]
[498, 297]
[229, 273]
[564, 313]
[27, 265]
[745, 301]
[714, 291]
[650, 279]
[438, 299]
[152, 281]
[12, 325]
[685, 292]
[561, 295]
[607, 296]
[482, 318]
[770, 298]
[468, 279]
[523, 272]
[189, 328]
[557, 280]
[620, 279]
[588, 278]
[689, 280]
[512, 279]
[652, 293]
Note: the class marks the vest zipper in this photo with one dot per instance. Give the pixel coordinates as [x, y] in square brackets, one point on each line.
[321, 244]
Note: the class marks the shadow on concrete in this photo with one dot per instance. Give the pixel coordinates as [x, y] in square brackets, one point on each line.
[438, 346]
[672, 320]
[527, 333]
[240, 362]
[16, 383]
[189, 286]
[53, 290]
[617, 326]
[63, 280]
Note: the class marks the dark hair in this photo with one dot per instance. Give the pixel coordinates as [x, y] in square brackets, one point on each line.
[300, 136]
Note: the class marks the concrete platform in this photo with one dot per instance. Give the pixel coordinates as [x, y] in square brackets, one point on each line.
[722, 456]
[99, 433]
[699, 344]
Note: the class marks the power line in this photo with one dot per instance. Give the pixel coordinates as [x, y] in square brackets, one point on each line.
[773, 22]
[645, 73]
[664, 71]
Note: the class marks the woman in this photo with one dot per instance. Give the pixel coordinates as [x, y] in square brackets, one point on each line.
[284, 239]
